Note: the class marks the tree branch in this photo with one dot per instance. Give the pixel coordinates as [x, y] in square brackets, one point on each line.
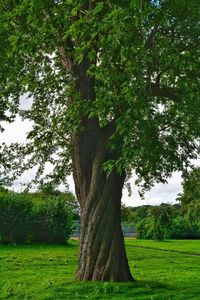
[164, 91]
[66, 60]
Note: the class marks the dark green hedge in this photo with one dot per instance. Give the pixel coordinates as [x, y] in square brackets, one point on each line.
[25, 219]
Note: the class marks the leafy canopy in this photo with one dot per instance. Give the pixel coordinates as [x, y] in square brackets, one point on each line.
[144, 59]
[191, 188]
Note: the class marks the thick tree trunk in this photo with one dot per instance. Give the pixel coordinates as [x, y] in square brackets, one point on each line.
[102, 255]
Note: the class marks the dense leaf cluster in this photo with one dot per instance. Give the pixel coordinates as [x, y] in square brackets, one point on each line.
[26, 218]
[144, 60]
[158, 225]
[191, 189]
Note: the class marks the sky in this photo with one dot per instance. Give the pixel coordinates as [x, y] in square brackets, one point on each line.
[160, 193]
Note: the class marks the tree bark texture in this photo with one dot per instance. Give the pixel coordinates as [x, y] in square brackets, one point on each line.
[102, 255]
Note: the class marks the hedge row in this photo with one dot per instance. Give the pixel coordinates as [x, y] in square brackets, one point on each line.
[25, 219]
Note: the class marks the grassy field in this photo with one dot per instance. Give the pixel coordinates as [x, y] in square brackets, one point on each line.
[162, 270]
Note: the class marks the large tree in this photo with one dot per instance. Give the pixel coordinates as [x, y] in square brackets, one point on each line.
[115, 87]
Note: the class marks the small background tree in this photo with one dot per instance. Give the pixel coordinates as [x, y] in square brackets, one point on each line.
[158, 224]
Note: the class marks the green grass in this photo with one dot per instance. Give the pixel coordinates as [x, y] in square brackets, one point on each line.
[47, 272]
[190, 246]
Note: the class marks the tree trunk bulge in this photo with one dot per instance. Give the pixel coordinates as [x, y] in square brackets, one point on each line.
[102, 255]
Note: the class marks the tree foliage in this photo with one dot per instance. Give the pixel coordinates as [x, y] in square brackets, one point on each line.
[47, 190]
[158, 224]
[143, 57]
[190, 200]
[191, 188]
[133, 215]
[164, 221]
[30, 218]
[113, 85]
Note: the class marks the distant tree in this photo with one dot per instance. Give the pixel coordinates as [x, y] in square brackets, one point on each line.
[5, 182]
[158, 224]
[47, 188]
[134, 214]
[141, 212]
[190, 202]
[191, 188]
[161, 217]
[3, 189]
[192, 216]
[126, 214]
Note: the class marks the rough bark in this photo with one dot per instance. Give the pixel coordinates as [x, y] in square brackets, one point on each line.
[102, 255]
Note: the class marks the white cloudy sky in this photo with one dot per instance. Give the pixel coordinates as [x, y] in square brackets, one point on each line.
[16, 132]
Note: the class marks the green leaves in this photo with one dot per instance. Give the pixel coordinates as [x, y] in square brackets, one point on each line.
[191, 188]
[26, 218]
[45, 42]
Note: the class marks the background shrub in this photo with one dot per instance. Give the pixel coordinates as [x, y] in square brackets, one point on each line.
[158, 224]
[27, 218]
[166, 221]
[182, 230]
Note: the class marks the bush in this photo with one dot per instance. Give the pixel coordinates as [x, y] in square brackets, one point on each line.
[158, 224]
[165, 221]
[183, 229]
[24, 218]
[144, 229]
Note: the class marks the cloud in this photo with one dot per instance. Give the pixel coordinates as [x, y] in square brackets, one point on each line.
[16, 131]
[160, 193]
[25, 102]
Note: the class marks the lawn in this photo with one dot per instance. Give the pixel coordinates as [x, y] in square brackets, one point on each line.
[163, 271]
